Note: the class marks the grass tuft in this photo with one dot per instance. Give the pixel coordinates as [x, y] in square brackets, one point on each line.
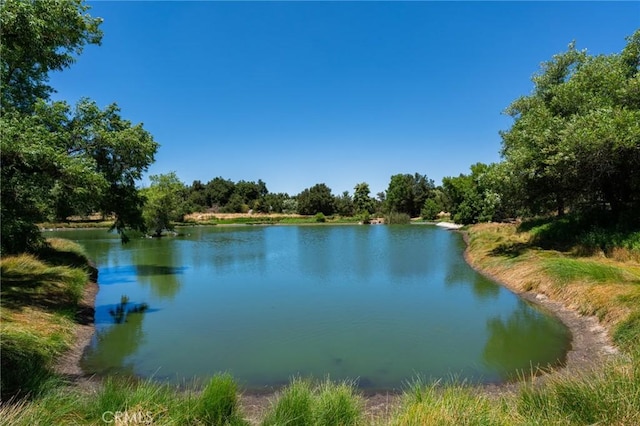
[218, 403]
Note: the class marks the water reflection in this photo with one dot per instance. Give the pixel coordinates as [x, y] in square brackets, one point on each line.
[526, 335]
[158, 267]
[122, 341]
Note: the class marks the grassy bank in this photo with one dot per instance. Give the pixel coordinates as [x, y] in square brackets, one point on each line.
[605, 283]
[40, 300]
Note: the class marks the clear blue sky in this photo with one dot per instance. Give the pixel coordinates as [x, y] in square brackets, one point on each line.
[300, 93]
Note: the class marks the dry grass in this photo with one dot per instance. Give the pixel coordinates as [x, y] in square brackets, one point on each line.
[591, 285]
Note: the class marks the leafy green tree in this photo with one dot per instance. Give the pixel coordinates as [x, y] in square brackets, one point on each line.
[317, 199]
[362, 202]
[56, 160]
[39, 37]
[344, 204]
[477, 197]
[197, 196]
[271, 203]
[575, 140]
[430, 209]
[165, 203]
[219, 192]
[407, 193]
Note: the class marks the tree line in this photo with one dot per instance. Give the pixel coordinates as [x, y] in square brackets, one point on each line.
[574, 146]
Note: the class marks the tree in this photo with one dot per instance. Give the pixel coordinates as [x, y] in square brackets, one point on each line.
[362, 202]
[317, 199]
[344, 204]
[56, 160]
[575, 141]
[408, 193]
[219, 191]
[477, 197]
[39, 36]
[165, 202]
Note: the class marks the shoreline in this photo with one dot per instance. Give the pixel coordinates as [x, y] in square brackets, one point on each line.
[590, 346]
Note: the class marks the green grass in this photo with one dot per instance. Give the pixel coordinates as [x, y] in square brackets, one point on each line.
[28, 280]
[39, 301]
[303, 403]
[607, 396]
[568, 269]
[453, 404]
[218, 404]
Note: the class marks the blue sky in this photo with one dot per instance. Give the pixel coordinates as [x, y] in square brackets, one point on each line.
[300, 93]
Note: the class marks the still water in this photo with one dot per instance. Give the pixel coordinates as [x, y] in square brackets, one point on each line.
[378, 304]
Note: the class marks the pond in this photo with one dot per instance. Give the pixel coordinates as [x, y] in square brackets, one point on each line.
[381, 305]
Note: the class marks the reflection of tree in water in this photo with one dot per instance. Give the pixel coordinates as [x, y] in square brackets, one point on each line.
[155, 265]
[123, 309]
[113, 346]
[527, 339]
[460, 273]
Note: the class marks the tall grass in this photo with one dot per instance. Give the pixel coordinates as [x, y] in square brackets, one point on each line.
[132, 401]
[453, 404]
[26, 279]
[567, 269]
[38, 302]
[607, 396]
[395, 218]
[218, 403]
[326, 404]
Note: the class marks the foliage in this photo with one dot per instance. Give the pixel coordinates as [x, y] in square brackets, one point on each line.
[588, 232]
[480, 196]
[320, 218]
[575, 140]
[55, 160]
[344, 204]
[408, 193]
[165, 202]
[39, 37]
[430, 210]
[317, 199]
[362, 202]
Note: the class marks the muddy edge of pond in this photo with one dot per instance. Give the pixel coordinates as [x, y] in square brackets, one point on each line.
[591, 342]
[590, 345]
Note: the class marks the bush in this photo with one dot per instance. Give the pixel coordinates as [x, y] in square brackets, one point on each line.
[319, 217]
[430, 210]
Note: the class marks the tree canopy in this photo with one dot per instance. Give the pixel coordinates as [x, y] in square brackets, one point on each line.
[56, 159]
[575, 141]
